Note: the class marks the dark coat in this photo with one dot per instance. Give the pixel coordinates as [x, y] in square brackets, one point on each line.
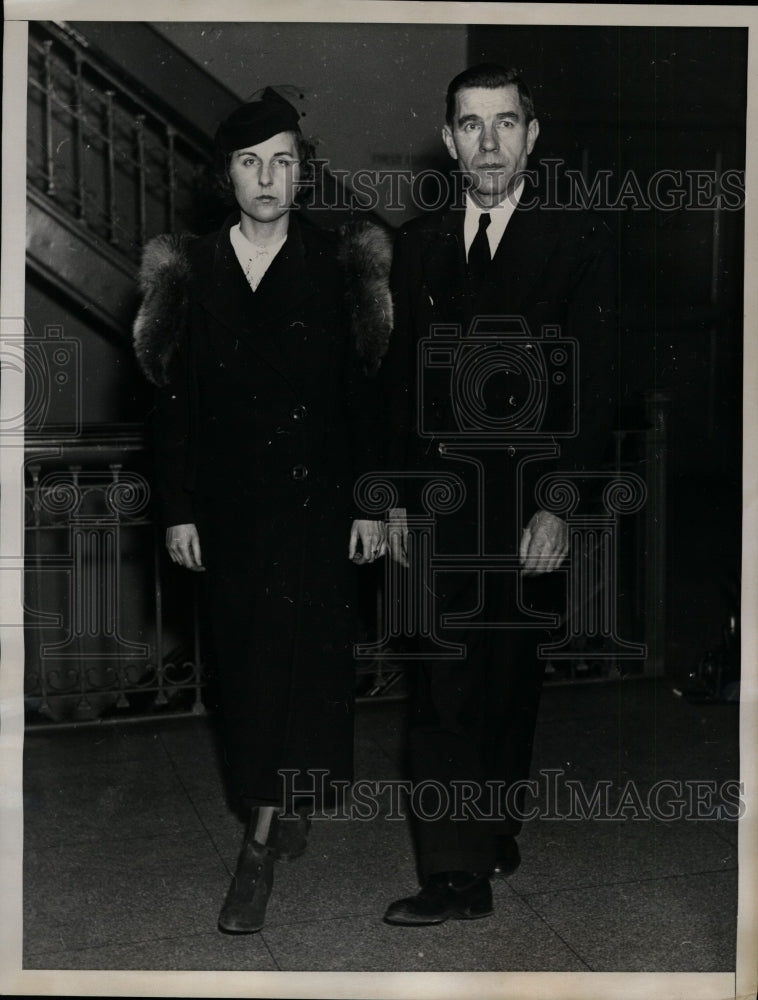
[267, 416]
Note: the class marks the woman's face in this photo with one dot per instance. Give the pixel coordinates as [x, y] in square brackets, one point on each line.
[265, 176]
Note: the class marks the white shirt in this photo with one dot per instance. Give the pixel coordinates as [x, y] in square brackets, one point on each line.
[500, 216]
[254, 259]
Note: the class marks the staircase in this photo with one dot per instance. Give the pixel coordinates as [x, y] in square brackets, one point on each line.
[109, 166]
[106, 171]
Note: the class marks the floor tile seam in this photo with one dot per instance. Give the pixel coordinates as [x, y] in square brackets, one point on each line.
[193, 805]
[385, 753]
[120, 943]
[173, 759]
[202, 836]
[277, 924]
[725, 839]
[88, 738]
[228, 868]
[555, 932]
[194, 753]
[633, 881]
[270, 950]
[163, 779]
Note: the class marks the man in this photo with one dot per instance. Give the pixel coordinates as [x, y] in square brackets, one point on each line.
[494, 261]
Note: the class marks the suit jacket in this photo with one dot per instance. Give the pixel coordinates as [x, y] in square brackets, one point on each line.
[547, 376]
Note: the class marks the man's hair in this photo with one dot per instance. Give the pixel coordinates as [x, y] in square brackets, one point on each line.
[491, 76]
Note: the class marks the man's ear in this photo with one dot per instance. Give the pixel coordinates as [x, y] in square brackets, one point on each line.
[532, 131]
[447, 138]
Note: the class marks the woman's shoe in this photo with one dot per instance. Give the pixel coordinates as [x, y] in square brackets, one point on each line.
[244, 909]
[291, 835]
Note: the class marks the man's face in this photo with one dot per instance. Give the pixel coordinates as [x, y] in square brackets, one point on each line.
[490, 139]
[265, 176]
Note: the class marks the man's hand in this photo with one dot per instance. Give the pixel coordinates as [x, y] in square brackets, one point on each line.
[544, 544]
[183, 544]
[372, 538]
[397, 535]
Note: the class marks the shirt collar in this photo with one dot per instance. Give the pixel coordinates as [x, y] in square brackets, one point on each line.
[253, 260]
[508, 204]
[244, 247]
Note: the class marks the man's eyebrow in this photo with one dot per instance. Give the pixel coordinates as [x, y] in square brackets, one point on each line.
[513, 115]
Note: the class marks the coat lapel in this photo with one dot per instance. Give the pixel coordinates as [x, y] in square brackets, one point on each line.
[524, 250]
[521, 256]
[256, 319]
[445, 277]
[287, 283]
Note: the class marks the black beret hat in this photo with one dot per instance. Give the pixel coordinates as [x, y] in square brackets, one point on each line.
[257, 121]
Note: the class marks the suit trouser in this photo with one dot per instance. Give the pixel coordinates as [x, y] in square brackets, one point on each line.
[473, 723]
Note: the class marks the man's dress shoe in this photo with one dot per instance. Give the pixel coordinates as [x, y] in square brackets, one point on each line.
[507, 856]
[444, 895]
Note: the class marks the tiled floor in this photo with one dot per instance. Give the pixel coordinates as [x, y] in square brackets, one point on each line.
[129, 845]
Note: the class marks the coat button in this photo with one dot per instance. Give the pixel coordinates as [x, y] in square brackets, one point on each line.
[298, 412]
[298, 472]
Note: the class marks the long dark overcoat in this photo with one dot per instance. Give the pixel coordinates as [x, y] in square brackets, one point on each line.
[266, 420]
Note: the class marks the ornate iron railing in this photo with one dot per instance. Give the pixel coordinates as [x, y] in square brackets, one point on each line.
[102, 152]
[113, 628]
[104, 639]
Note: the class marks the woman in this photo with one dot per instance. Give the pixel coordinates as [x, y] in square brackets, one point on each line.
[262, 339]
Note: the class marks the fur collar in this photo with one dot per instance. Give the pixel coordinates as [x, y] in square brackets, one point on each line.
[364, 251]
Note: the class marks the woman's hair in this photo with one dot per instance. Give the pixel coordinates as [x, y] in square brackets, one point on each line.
[306, 153]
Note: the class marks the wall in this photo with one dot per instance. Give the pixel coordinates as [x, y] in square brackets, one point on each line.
[110, 388]
[641, 100]
[375, 93]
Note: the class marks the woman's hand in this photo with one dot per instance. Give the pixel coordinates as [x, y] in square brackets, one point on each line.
[372, 538]
[183, 544]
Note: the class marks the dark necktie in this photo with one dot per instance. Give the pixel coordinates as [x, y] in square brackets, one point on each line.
[479, 252]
